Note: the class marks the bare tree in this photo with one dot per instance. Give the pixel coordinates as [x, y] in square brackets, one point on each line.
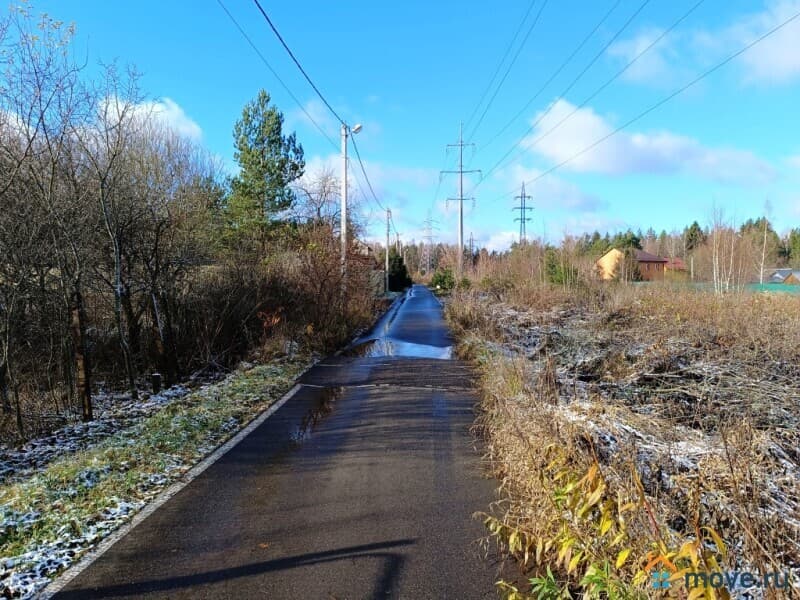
[104, 145]
[318, 197]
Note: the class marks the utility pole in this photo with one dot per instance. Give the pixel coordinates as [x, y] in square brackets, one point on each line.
[523, 217]
[345, 131]
[460, 145]
[386, 271]
[430, 225]
[343, 208]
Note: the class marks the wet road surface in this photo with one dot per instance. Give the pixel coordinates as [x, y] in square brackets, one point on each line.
[362, 485]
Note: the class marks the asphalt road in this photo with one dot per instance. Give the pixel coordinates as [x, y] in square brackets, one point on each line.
[363, 485]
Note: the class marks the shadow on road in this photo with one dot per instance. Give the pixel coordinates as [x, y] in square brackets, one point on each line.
[385, 585]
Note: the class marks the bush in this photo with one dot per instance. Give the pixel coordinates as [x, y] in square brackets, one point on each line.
[398, 274]
[559, 268]
[443, 280]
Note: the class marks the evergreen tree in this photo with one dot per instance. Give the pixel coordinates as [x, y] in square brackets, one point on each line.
[627, 239]
[694, 236]
[793, 247]
[269, 161]
[398, 274]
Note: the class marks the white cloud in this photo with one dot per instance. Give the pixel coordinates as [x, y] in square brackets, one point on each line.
[775, 59]
[499, 241]
[626, 153]
[550, 192]
[168, 112]
[13, 124]
[314, 111]
[384, 177]
[794, 161]
[393, 185]
[656, 65]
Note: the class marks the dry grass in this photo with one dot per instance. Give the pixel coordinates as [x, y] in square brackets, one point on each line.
[628, 423]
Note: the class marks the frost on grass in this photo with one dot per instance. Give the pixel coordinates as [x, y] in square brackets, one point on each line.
[709, 419]
[25, 574]
[113, 413]
[68, 501]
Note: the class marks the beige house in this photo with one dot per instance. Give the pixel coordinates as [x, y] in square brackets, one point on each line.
[612, 265]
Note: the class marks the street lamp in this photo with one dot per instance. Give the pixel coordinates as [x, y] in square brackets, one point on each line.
[343, 211]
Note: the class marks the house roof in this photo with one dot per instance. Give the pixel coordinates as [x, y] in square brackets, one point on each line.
[676, 264]
[643, 256]
[779, 275]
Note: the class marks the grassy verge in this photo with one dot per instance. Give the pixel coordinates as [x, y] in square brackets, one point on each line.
[48, 521]
[635, 429]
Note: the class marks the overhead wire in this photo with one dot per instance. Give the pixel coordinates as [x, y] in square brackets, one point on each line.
[441, 179]
[324, 100]
[663, 101]
[575, 80]
[297, 62]
[366, 177]
[508, 70]
[607, 83]
[275, 74]
[500, 64]
[555, 73]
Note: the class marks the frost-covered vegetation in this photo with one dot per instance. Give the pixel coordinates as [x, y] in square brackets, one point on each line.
[63, 503]
[631, 424]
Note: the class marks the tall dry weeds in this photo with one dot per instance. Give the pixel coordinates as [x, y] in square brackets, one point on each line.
[632, 424]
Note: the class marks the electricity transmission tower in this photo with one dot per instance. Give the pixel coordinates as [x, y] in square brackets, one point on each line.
[430, 226]
[471, 256]
[461, 171]
[523, 217]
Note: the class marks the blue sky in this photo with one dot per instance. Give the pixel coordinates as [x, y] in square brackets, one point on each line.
[411, 72]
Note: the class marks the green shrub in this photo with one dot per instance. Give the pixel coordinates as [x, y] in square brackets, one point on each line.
[443, 280]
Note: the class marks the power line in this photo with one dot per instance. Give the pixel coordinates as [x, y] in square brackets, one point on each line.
[523, 217]
[508, 70]
[461, 171]
[394, 227]
[555, 73]
[439, 183]
[502, 60]
[357, 179]
[567, 90]
[297, 62]
[274, 74]
[665, 99]
[427, 238]
[366, 177]
[616, 76]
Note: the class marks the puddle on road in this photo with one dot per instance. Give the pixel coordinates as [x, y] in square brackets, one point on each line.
[324, 407]
[383, 347]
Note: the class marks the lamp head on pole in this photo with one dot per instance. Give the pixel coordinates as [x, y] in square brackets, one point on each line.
[356, 128]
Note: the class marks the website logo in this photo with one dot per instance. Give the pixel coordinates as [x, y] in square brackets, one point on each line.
[660, 579]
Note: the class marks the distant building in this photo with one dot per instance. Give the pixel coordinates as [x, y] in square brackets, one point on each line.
[612, 265]
[362, 248]
[788, 276]
[675, 264]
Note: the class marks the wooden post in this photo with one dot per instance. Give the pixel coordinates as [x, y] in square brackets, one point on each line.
[156, 379]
